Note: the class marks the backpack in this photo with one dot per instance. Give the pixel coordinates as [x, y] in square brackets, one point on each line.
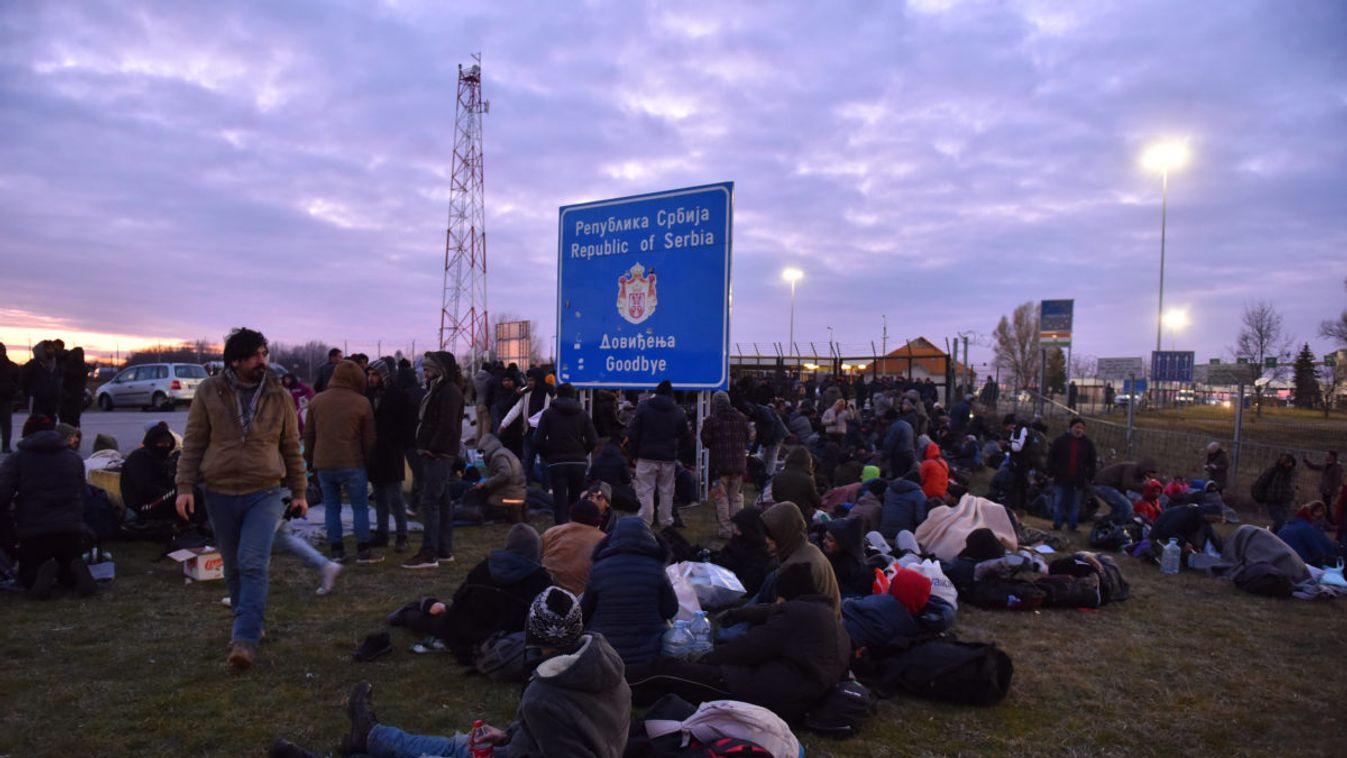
[719, 719]
[724, 746]
[1113, 588]
[505, 657]
[964, 673]
[842, 711]
[1263, 578]
[1106, 535]
[1070, 591]
[1007, 594]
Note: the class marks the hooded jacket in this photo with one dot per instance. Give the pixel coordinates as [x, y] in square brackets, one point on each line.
[725, 434]
[795, 483]
[568, 551]
[629, 597]
[340, 431]
[44, 480]
[658, 429]
[1217, 467]
[746, 553]
[904, 508]
[575, 704]
[40, 379]
[788, 663]
[439, 429]
[1309, 541]
[854, 578]
[566, 433]
[147, 473]
[900, 448]
[934, 473]
[394, 432]
[505, 474]
[611, 465]
[215, 452]
[495, 596]
[787, 529]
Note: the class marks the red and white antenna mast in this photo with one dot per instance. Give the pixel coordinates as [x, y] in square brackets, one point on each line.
[463, 315]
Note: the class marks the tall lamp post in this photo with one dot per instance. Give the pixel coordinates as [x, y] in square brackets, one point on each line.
[792, 275]
[1163, 157]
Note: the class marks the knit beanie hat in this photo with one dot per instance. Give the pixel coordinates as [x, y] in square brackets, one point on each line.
[665, 387]
[555, 619]
[586, 512]
[720, 399]
[523, 541]
[982, 545]
[66, 430]
[105, 442]
[384, 368]
[869, 472]
[911, 588]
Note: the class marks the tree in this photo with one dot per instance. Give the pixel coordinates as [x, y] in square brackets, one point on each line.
[1056, 371]
[1306, 390]
[1016, 344]
[1084, 366]
[1335, 330]
[1262, 336]
[302, 360]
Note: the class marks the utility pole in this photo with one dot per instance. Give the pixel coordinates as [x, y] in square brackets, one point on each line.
[884, 340]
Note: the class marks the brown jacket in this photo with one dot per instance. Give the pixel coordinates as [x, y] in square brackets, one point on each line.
[339, 431]
[787, 529]
[215, 453]
[567, 554]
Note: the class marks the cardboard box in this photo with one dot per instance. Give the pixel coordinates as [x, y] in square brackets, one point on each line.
[201, 564]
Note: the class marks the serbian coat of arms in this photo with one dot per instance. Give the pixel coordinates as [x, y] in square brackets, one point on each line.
[636, 294]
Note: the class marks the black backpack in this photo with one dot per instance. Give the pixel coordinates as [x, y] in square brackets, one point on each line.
[964, 673]
[1070, 591]
[1113, 588]
[1106, 535]
[1263, 578]
[842, 711]
[1007, 594]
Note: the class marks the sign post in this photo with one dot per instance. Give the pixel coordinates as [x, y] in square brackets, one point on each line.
[1054, 330]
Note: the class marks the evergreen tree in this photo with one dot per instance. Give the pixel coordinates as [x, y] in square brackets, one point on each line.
[1056, 371]
[1306, 391]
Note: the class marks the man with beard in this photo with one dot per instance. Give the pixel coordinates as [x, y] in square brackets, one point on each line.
[242, 444]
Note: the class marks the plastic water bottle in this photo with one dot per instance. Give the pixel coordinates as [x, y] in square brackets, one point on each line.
[1169, 557]
[677, 641]
[701, 634]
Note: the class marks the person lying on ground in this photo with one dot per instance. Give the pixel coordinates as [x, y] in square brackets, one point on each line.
[1306, 534]
[629, 599]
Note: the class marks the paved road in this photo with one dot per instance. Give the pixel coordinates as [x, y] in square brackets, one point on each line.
[127, 426]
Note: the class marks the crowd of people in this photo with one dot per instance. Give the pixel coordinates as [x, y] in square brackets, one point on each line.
[52, 383]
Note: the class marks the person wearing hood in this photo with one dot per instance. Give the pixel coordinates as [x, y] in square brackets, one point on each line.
[74, 379]
[301, 393]
[566, 437]
[568, 549]
[1306, 534]
[843, 543]
[338, 441]
[394, 431]
[10, 379]
[40, 380]
[1112, 484]
[629, 599]
[494, 597]
[795, 483]
[904, 506]
[439, 437]
[44, 484]
[1275, 489]
[511, 435]
[746, 552]
[899, 445]
[504, 478]
[934, 473]
[534, 398]
[725, 435]
[577, 702]
[787, 540]
[147, 481]
[657, 431]
[1217, 465]
[611, 467]
[1148, 507]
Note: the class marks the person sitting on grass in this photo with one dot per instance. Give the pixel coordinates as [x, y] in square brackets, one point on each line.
[629, 598]
[746, 553]
[1148, 508]
[43, 483]
[568, 549]
[576, 704]
[843, 542]
[494, 597]
[1305, 534]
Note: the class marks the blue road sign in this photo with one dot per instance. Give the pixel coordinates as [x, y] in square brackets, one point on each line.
[1055, 315]
[1172, 365]
[1127, 386]
[643, 290]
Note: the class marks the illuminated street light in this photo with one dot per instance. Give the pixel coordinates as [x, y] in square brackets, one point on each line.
[1176, 320]
[792, 275]
[1164, 157]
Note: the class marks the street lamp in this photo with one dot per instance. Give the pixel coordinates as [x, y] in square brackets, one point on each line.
[1163, 157]
[792, 275]
[1176, 319]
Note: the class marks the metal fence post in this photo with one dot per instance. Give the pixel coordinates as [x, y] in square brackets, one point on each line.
[1131, 411]
[1239, 433]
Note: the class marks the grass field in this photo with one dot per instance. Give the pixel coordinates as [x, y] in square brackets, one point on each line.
[1279, 427]
[1187, 665]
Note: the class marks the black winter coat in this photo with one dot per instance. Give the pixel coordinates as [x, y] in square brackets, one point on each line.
[658, 430]
[440, 428]
[494, 598]
[44, 482]
[10, 373]
[395, 431]
[788, 663]
[1059, 459]
[610, 466]
[147, 475]
[566, 433]
[629, 599]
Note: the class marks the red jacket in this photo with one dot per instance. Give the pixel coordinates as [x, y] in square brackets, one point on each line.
[934, 473]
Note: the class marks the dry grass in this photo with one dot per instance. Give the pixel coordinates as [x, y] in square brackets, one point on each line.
[1188, 665]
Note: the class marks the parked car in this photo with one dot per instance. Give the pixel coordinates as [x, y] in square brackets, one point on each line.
[161, 386]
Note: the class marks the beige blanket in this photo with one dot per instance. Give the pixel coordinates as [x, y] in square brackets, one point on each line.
[945, 530]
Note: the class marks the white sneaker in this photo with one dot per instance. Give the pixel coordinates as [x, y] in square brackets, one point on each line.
[330, 573]
[226, 602]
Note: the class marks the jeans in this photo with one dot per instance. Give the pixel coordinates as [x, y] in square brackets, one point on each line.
[649, 475]
[437, 507]
[530, 457]
[299, 547]
[388, 500]
[568, 482]
[245, 527]
[390, 742]
[356, 484]
[1277, 513]
[1121, 507]
[1066, 503]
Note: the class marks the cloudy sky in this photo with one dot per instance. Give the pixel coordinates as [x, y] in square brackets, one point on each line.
[169, 170]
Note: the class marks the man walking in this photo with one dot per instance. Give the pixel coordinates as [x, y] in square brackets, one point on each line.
[725, 434]
[439, 434]
[1072, 462]
[338, 440]
[656, 432]
[242, 443]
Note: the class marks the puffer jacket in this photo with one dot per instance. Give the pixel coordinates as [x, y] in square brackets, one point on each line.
[904, 508]
[934, 473]
[795, 483]
[340, 430]
[394, 432]
[504, 473]
[439, 429]
[629, 598]
[215, 452]
[566, 433]
[658, 430]
[900, 448]
[44, 480]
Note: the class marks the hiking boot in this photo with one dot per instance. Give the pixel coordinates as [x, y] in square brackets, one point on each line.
[283, 748]
[375, 646]
[330, 573]
[360, 711]
[422, 560]
[338, 554]
[444, 557]
[45, 580]
[401, 546]
[366, 555]
[380, 540]
[84, 580]
[241, 654]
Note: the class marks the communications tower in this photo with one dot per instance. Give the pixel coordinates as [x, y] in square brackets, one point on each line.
[463, 315]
